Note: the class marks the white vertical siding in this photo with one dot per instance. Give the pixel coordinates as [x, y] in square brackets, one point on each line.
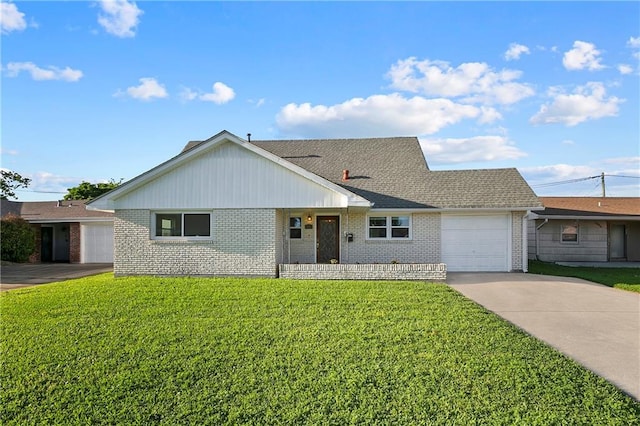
[230, 177]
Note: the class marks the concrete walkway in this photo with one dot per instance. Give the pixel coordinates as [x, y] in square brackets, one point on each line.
[20, 275]
[597, 326]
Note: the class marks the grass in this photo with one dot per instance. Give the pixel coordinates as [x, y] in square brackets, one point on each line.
[623, 278]
[260, 351]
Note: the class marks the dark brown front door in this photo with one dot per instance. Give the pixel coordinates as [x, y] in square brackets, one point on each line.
[46, 244]
[327, 238]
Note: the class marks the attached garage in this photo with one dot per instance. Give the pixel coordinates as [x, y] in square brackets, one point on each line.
[476, 242]
[97, 242]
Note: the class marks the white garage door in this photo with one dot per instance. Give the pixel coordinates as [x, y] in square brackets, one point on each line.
[476, 243]
[97, 242]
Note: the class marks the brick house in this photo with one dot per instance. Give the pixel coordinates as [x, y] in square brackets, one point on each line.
[228, 206]
[66, 231]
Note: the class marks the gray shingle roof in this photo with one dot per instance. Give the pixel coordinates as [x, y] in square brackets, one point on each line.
[393, 173]
[382, 170]
[51, 210]
[483, 188]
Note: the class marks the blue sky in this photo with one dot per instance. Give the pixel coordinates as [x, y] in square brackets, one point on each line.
[107, 90]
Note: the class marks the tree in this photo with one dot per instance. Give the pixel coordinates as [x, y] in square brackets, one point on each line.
[17, 239]
[89, 191]
[10, 182]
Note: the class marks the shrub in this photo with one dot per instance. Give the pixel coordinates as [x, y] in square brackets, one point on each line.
[17, 238]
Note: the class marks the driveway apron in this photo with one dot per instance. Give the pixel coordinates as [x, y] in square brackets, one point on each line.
[20, 275]
[597, 326]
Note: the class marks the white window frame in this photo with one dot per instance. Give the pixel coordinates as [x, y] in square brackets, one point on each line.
[181, 237]
[562, 233]
[301, 227]
[389, 227]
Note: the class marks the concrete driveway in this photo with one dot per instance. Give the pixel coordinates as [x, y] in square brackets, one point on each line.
[597, 326]
[20, 275]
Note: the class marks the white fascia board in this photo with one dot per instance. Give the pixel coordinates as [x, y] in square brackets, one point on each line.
[106, 202]
[469, 210]
[486, 209]
[73, 220]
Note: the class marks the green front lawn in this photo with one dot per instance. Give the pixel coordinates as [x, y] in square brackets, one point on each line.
[262, 351]
[624, 278]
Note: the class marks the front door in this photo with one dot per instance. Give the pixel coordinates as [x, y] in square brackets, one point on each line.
[46, 244]
[617, 242]
[327, 238]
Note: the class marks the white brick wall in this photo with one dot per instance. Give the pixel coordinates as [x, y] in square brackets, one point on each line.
[254, 241]
[344, 271]
[244, 243]
[516, 240]
[424, 247]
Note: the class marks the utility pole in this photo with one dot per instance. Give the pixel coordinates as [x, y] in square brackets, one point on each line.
[604, 191]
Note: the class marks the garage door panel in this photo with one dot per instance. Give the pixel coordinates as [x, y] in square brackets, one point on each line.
[475, 243]
[97, 243]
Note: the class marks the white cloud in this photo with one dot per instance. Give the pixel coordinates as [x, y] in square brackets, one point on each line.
[49, 182]
[515, 51]
[625, 69]
[475, 149]
[11, 19]
[568, 142]
[37, 73]
[148, 89]
[583, 56]
[557, 173]
[6, 151]
[120, 17]
[588, 102]
[626, 161]
[471, 81]
[377, 115]
[221, 94]
[257, 103]
[187, 94]
[634, 43]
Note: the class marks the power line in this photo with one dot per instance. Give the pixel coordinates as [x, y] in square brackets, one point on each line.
[624, 176]
[563, 182]
[41, 192]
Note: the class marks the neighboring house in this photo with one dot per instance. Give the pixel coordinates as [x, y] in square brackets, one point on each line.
[586, 229]
[226, 206]
[66, 231]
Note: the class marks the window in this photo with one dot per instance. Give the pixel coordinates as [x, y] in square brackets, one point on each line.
[389, 227]
[295, 228]
[569, 233]
[192, 225]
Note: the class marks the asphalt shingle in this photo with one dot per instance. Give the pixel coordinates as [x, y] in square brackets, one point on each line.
[393, 173]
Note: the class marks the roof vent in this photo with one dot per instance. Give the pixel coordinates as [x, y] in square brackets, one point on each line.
[345, 175]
